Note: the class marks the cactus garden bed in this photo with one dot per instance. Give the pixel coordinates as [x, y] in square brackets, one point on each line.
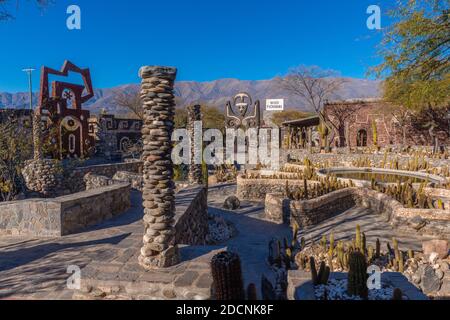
[337, 290]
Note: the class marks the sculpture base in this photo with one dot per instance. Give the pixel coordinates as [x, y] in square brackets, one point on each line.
[164, 259]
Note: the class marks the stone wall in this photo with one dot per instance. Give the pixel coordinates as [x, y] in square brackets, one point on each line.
[276, 208]
[75, 179]
[311, 212]
[430, 222]
[44, 177]
[257, 189]
[93, 181]
[64, 215]
[341, 158]
[191, 219]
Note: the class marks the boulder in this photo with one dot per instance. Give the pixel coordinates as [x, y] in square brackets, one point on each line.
[438, 246]
[232, 203]
[430, 281]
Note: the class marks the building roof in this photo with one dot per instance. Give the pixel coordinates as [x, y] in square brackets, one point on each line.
[305, 122]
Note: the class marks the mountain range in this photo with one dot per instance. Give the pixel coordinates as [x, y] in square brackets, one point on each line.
[213, 93]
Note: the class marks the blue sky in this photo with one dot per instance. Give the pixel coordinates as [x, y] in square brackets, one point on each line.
[205, 39]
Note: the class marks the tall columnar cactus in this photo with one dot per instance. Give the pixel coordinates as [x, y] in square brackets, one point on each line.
[397, 295]
[314, 275]
[358, 237]
[227, 277]
[357, 275]
[251, 292]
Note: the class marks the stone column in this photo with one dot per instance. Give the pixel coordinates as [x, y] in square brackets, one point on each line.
[195, 170]
[159, 250]
[37, 135]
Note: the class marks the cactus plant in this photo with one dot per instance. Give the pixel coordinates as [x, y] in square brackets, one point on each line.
[357, 275]
[314, 275]
[378, 249]
[397, 295]
[251, 292]
[227, 276]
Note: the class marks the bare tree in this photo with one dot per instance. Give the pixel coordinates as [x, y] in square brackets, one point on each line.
[130, 100]
[338, 115]
[314, 85]
[5, 11]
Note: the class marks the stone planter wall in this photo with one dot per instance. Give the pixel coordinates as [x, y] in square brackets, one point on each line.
[311, 212]
[45, 177]
[191, 219]
[64, 215]
[432, 222]
[257, 189]
[341, 158]
[75, 179]
[276, 208]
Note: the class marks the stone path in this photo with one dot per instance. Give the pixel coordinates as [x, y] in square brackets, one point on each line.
[37, 268]
[254, 235]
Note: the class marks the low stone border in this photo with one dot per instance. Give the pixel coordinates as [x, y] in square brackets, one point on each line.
[64, 215]
[276, 208]
[364, 183]
[191, 216]
[257, 189]
[300, 286]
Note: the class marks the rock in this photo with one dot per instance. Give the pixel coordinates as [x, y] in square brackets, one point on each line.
[232, 203]
[440, 274]
[444, 266]
[212, 180]
[430, 282]
[417, 223]
[438, 246]
[416, 278]
[433, 258]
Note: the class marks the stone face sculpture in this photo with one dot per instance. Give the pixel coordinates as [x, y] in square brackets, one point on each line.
[239, 114]
[159, 250]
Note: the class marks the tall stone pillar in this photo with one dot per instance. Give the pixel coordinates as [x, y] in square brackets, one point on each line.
[195, 170]
[160, 249]
[37, 148]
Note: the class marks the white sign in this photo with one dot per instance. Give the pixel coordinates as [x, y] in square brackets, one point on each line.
[275, 104]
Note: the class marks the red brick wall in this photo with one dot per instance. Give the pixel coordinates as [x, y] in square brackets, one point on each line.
[388, 129]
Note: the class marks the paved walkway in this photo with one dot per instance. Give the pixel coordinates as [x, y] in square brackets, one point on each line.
[373, 225]
[37, 268]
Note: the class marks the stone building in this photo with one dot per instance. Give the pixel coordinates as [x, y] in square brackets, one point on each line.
[115, 136]
[370, 122]
[367, 123]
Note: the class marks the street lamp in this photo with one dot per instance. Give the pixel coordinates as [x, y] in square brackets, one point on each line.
[29, 71]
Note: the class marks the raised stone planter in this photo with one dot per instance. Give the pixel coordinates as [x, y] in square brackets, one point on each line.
[432, 222]
[276, 208]
[257, 189]
[64, 215]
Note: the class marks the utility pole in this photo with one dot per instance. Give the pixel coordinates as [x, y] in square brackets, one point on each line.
[29, 71]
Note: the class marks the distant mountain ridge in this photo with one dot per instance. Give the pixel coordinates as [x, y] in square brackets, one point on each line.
[214, 93]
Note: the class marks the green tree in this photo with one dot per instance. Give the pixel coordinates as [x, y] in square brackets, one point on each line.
[288, 115]
[213, 118]
[6, 11]
[15, 148]
[415, 51]
[180, 118]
